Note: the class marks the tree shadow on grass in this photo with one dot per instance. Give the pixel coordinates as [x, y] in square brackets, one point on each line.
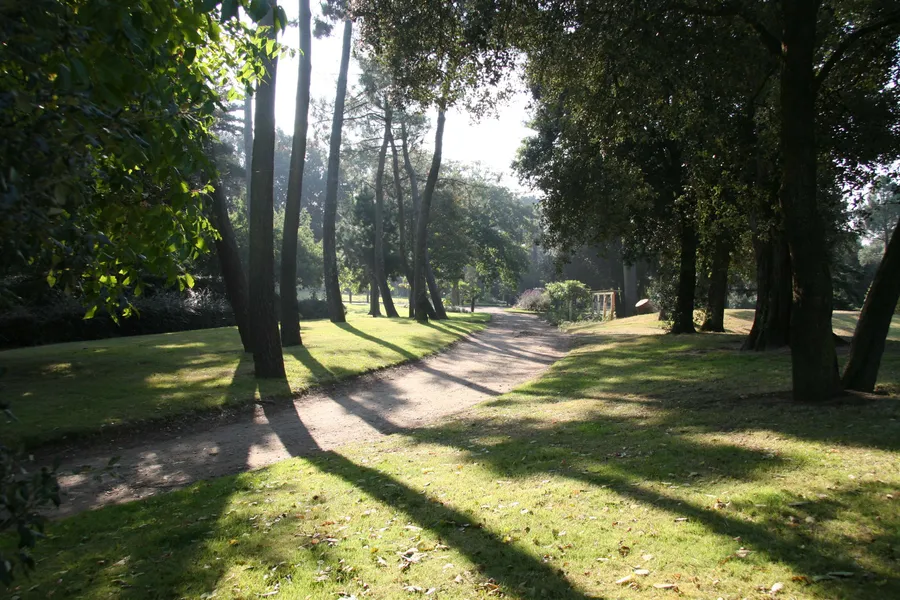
[637, 461]
[371, 338]
[517, 573]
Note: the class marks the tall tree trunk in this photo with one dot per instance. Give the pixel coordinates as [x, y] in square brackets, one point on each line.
[380, 275]
[230, 264]
[813, 356]
[683, 318]
[772, 320]
[421, 251]
[871, 332]
[401, 217]
[267, 358]
[329, 242]
[630, 299]
[454, 295]
[290, 310]
[439, 311]
[717, 297]
[374, 307]
[414, 192]
[248, 144]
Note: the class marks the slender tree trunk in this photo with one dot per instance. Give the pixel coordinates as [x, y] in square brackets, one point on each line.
[630, 276]
[329, 242]
[248, 143]
[380, 275]
[230, 264]
[683, 319]
[813, 356]
[414, 192]
[350, 296]
[267, 358]
[401, 217]
[472, 307]
[871, 332]
[439, 311]
[290, 310]
[454, 295]
[717, 297]
[421, 253]
[374, 307]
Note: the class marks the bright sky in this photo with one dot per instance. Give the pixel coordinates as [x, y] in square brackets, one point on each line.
[492, 141]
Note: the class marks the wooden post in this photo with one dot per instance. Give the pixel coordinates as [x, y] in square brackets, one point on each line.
[612, 306]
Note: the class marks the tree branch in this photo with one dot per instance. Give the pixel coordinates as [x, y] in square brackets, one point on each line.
[769, 40]
[852, 38]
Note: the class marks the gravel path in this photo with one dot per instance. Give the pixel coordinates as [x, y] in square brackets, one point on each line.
[513, 349]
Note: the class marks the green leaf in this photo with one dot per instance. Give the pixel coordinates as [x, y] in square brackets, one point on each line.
[90, 312]
[229, 9]
[189, 55]
[189, 280]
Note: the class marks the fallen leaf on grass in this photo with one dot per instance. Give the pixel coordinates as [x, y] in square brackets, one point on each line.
[665, 586]
[626, 579]
[742, 552]
[776, 588]
[642, 572]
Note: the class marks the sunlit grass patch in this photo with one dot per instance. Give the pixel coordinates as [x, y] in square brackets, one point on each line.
[81, 387]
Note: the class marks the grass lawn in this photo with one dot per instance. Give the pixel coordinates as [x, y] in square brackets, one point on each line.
[639, 466]
[82, 387]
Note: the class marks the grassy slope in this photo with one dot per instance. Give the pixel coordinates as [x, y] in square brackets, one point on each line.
[669, 454]
[80, 387]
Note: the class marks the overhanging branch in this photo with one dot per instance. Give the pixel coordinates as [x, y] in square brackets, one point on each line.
[853, 38]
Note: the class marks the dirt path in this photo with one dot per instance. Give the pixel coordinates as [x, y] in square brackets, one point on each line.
[513, 349]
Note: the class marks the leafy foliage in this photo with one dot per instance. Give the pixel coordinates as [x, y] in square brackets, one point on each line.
[105, 113]
[24, 492]
[537, 300]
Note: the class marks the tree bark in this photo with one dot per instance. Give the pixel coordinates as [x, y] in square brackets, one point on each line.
[867, 346]
[401, 217]
[290, 310]
[772, 320]
[414, 192]
[374, 307]
[248, 144]
[267, 357]
[683, 318]
[230, 264]
[454, 295]
[421, 253]
[329, 242]
[813, 356]
[380, 275]
[437, 301]
[630, 299]
[717, 297]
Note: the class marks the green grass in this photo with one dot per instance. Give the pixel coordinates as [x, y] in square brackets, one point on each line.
[679, 455]
[83, 387]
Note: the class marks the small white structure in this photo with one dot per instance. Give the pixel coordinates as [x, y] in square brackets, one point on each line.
[605, 303]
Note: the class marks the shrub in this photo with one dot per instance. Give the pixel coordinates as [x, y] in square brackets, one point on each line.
[313, 308]
[62, 320]
[569, 299]
[536, 299]
[25, 493]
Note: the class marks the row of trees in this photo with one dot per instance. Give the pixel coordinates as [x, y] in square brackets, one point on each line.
[685, 130]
